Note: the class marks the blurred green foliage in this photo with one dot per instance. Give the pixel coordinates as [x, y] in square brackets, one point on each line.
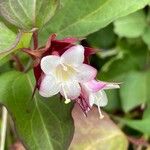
[124, 50]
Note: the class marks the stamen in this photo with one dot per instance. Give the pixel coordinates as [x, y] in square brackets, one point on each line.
[64, 67]
[79, 101]
[101, 116]
[67, 100]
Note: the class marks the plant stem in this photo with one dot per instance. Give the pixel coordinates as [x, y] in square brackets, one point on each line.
[19, 65]
[3, 128]
[28, 66]
[35, 39]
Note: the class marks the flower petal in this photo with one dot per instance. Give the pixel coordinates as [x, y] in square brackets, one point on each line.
[98, 98]
[86, 73]
[95, 86]
[71, 89]
[74, 55]
[49, 86]
[49, 63]
[111, 85]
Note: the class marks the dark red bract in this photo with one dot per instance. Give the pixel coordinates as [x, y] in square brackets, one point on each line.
[56, 47]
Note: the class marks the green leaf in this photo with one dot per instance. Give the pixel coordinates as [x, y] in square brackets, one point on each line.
[117, 67]
[7, 36]
[10, 40]
[140, 125]
[134, 90]
[42, 124]
[104, 38]
[131, 26]
[146, 113]
[22, 41]
[80, 18]
[91, 133]
[114, 100]
[28, 14]
[132, 55]
[146, 36]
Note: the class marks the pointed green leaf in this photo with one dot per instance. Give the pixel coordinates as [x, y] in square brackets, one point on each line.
[104, 38]
[7, 36]
[131, 26]
[42, 124]
[134, 90]
[28, 14]
[80, 18]
[10, 40]
[146, 36]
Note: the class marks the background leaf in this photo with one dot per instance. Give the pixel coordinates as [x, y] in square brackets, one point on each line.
[146, 36]
[7, 36]
[104, 38]
[80, 18]
[114, 101]
[22, 41]
[91, 133]
[11, 40]
[139, 125]
[28, 14]
[131, 26]
[41, 123]
[134, 90]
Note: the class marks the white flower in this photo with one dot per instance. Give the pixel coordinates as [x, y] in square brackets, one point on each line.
[65, 73]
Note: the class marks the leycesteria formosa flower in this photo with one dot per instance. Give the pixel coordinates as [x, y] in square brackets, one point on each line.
[63, 68]
[93, 92]
[65, 73]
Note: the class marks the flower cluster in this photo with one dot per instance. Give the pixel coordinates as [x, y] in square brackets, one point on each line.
[64, 69]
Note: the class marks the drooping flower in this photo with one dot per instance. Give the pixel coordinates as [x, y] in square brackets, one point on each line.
[93, 92]
[63, 67]
[65, 73]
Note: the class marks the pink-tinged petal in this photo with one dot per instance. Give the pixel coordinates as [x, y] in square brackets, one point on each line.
[49, 63]
[91, 100]
[86, 73]
[71, 89]
[95, 86]
[49, 86]
[103, 98]
[99, 98]
[73, 56]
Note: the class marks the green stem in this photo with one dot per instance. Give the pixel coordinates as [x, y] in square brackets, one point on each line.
[35, 39]
[3, 128]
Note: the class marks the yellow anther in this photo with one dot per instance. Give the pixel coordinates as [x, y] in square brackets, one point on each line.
[67, 101]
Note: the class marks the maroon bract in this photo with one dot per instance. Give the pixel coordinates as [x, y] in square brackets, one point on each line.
[55, 47]
[62, 66]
